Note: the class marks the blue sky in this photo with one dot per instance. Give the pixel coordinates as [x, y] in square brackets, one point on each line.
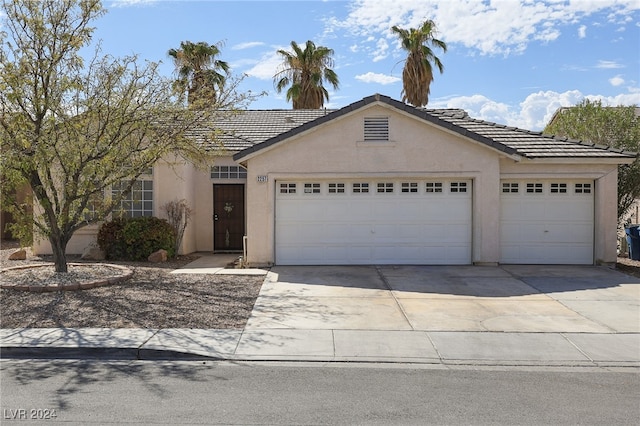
[512, 62]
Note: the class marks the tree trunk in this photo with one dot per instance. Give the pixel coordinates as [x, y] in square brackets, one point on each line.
[59, 248]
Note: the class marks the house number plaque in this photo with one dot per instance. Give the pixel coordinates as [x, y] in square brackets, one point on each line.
[262, 178]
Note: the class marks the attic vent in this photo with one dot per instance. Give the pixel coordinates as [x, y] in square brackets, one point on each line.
[376, 128]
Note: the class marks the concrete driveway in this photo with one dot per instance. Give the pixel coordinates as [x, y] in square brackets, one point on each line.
[509, 298]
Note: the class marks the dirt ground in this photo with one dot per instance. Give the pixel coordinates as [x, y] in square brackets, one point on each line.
[628, 266]
[151, 298]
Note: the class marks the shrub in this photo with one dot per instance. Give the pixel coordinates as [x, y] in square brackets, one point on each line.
[110, 238]
[178, 214]
[135, 238]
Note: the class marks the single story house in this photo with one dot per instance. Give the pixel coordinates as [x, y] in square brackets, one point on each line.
[382, 182]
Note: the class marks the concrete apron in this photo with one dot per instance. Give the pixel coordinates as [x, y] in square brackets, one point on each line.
[515, 298]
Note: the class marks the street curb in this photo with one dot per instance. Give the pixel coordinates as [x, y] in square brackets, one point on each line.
[136, 354]
[99, 353]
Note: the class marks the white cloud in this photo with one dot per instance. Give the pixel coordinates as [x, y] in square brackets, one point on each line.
[382, 47]
[265, 68]
[538, 108]
[247, 45]
[582, 31]
[631, 98]
[372, 77]
[616, 81]
[495, 27]
[608, 65]
[535, 111]
[477, 106]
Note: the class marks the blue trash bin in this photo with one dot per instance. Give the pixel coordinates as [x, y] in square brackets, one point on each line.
[633, 240]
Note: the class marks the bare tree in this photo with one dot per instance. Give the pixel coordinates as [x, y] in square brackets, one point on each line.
[71, 130]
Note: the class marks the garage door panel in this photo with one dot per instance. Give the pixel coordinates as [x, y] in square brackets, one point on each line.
[287, 229]
[373, 228]
[510, 253]
[358, 254]
[435, 232]
[547, 227]
[383, 232]
[336, 230]
[454, 252]
[410, 232]
[389, 210]
[336, 210]
[563, 232]
[288, 211]
[456, 232]
[309, 207]
[360, 232]
[524, 210]
[384, 254]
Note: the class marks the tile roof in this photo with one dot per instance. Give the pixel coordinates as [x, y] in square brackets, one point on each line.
[525, 143]
[244, 129]
[252, 130]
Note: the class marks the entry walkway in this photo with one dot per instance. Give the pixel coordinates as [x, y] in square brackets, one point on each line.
[510, 315]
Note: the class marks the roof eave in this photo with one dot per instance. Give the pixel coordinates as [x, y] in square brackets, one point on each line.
[580, 160]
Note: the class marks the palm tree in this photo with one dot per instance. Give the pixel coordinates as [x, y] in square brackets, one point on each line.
[305, 70]
[417, 74]
[200, 74]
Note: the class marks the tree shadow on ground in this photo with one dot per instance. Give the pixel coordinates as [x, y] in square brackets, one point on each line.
[457, 280]
[78, 376]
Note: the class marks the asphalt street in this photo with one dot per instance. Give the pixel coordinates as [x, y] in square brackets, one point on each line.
[205, 392]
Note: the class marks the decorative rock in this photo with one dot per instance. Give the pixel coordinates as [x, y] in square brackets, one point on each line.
[92, 253]
[158, 256]
[18, 255]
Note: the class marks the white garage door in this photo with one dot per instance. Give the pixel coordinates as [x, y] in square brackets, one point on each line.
[547, 222]
[373, 222]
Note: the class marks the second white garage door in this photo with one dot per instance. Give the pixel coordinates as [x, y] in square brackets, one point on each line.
[373, 222]
[547, 222]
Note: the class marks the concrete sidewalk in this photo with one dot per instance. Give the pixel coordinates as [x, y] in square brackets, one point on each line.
[445, 315]
[446, 348]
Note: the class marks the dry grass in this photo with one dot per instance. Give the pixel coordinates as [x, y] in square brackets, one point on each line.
[152, 298]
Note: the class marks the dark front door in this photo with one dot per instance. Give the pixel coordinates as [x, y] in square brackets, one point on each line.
[228, 217]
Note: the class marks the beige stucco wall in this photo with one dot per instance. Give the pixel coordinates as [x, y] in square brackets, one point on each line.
[336, 150]
[172, 180]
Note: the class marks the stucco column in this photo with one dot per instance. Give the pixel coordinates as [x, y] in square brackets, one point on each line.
[606, 218]
[486, 217]
[260, 218]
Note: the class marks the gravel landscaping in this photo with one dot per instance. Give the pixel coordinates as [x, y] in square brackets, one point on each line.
[151, 298]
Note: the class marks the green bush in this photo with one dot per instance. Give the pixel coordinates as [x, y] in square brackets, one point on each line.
[110, 238]
[136, 238]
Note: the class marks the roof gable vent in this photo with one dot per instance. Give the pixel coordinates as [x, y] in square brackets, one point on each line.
[376, 128]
